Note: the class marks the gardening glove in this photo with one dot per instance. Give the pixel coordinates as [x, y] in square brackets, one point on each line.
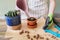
[49, 21]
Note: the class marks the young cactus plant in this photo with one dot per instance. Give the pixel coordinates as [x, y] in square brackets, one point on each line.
[17, 12]
[12, 13]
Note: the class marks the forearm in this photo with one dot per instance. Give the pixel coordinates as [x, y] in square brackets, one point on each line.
[51, 11]
[52, 6]
[49, 20]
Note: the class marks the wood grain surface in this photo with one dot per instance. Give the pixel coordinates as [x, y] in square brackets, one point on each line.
[26, 33]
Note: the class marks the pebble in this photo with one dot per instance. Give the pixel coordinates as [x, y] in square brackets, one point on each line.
[22, 32]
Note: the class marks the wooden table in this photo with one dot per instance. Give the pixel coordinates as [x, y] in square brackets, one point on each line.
[15, 34]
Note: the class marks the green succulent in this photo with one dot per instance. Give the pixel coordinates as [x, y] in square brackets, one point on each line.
[12, 13]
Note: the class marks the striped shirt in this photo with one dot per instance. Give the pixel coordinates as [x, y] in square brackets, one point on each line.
[37, 8]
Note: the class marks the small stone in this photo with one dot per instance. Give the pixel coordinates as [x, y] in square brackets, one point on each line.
[34, 36]
[47, 39]
[26, 31]
[38, 36]
[28, 36]
[22, 32]
[31, 38]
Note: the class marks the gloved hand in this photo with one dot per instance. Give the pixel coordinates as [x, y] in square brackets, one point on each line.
[49, 21]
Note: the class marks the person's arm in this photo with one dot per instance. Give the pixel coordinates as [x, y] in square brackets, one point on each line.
[49, 20]
[26, 10]
[22, 4]
[51, 8]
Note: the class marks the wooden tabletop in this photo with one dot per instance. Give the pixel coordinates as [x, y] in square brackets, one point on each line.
[15, 34]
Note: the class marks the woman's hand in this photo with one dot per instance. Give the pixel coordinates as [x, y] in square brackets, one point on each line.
[49, 21]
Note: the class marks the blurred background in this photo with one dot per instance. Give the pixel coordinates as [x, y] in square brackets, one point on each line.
[5, 6]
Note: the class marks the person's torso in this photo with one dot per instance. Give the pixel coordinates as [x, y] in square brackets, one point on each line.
[37, 7]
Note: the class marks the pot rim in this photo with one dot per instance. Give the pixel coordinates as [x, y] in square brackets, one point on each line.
[31, 17]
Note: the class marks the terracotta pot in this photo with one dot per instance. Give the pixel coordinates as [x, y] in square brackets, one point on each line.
[32, 21]
[34, 26]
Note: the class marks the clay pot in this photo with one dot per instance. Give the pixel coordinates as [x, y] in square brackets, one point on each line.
[31, 21]
[34, 26]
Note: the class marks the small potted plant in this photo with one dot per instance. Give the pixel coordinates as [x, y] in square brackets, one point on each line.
[32, 22]
[13, 19]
